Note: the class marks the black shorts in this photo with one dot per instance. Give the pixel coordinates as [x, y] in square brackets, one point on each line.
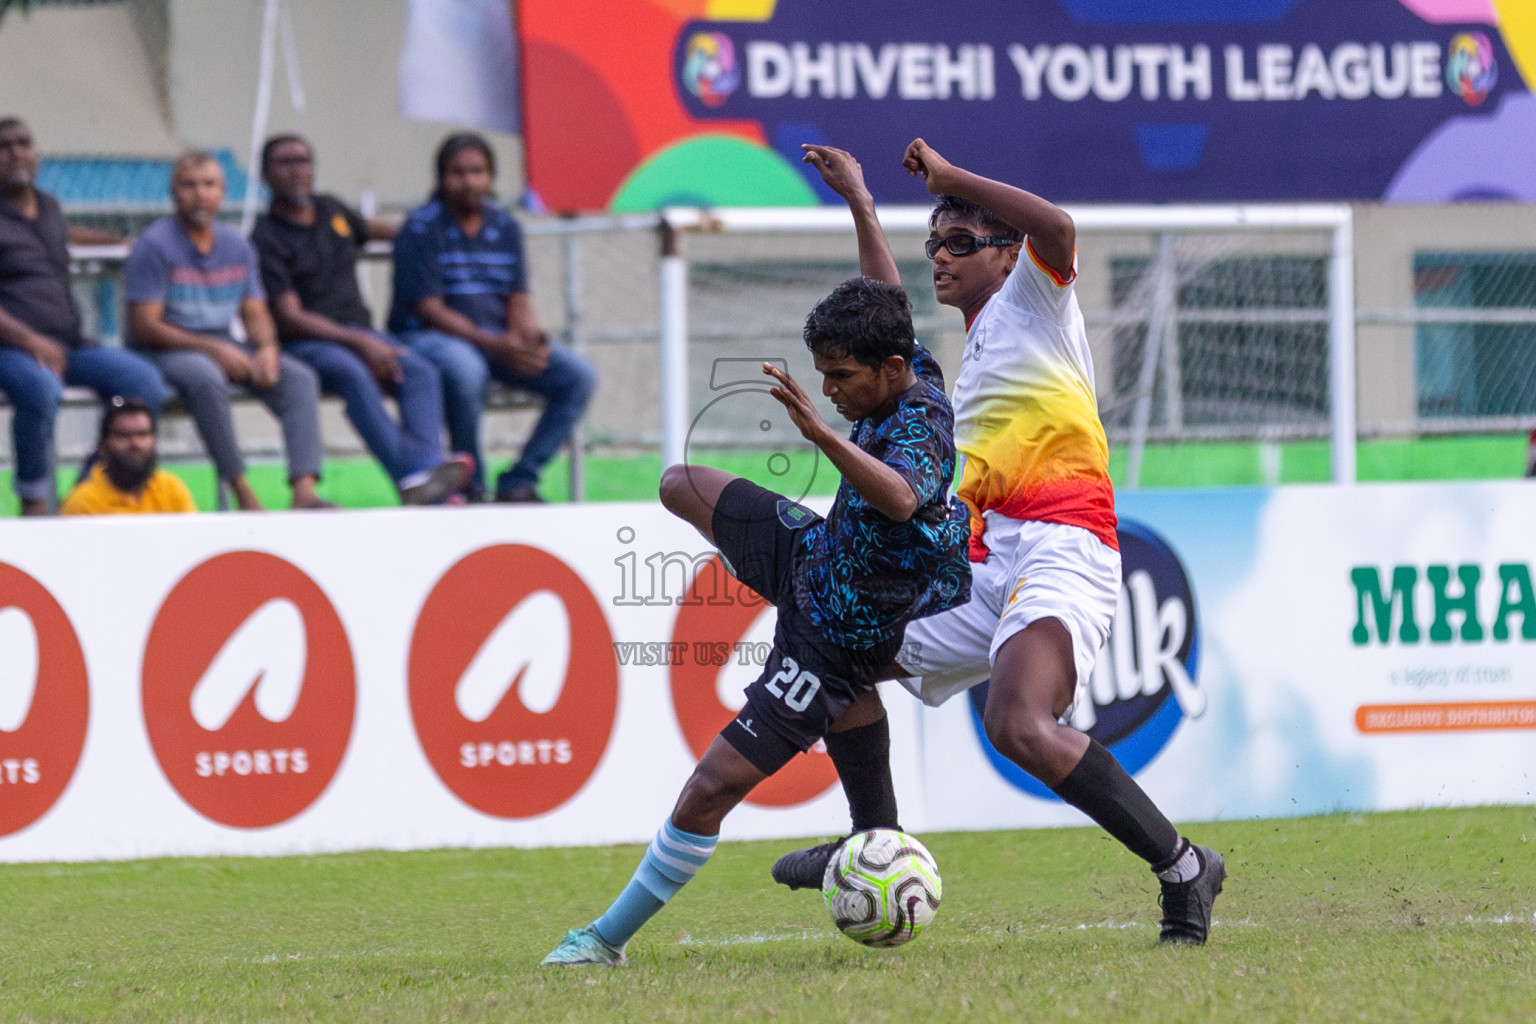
[807, 682]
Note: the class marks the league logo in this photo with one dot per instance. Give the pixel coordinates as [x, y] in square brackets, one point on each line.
[793, 516]
[709, 67]
[1470, 67]
[1143, 682]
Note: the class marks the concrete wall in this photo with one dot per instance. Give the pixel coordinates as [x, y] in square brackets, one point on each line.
[153, 77]
[348, 55]
[86, 81]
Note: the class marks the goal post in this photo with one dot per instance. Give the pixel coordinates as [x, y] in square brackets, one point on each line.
[1208, 322]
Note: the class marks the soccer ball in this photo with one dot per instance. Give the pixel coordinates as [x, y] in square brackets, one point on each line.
[882, 887]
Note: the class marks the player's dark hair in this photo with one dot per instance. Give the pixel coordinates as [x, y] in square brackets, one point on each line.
[278, 140]
[963, 209]
[11, 121]
[457, 143]
[864, 319]
[120, 407]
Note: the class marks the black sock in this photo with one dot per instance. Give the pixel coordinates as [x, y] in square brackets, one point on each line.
[1101, 789]
[863, 760]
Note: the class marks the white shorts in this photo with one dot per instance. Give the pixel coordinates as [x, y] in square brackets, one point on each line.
[1033, 571]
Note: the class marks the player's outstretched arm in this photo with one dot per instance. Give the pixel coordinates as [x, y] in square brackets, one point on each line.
[877, 483]
[1051, 232]
[844, 176]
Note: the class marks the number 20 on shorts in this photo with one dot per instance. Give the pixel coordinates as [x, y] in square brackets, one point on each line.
[802, 683]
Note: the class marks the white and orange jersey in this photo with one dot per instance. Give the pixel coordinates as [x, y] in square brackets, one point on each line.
[1026, 418]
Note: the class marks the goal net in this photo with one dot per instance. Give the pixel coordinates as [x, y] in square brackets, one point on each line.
[1206, 323]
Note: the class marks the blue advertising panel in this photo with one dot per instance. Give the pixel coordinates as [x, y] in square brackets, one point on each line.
[1284, 99]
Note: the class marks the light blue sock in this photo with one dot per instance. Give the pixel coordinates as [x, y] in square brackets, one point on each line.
[674, 857]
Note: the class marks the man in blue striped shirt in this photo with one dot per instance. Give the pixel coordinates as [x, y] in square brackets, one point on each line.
[461, 300]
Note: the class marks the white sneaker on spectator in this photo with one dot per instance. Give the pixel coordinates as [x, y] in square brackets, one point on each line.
[434, 486]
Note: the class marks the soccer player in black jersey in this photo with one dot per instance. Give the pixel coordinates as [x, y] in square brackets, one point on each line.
[892, 548]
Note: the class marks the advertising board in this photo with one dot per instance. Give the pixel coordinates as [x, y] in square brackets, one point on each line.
[638, 104]
[403, 679]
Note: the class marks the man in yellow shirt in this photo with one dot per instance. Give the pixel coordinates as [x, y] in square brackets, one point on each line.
[125, 477]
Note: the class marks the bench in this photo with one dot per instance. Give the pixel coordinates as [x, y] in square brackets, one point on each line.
[175, 421]
[95, 269]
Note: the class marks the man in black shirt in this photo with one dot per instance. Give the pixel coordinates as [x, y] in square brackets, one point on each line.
[41, 345]
[308, 245]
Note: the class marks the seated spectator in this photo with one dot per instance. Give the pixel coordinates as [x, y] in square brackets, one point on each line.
[124, 477]
[308, 246]
[461, 300]
[186, 278]
[41, 345]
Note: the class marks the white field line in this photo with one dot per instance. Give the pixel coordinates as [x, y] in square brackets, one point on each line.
[1523, 917]
[1111, 926]
[755, 937]
[806, 934]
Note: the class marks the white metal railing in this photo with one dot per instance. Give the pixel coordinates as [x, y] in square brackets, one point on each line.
[106, 261]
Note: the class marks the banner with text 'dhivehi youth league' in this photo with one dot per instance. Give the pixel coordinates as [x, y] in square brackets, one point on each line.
[638, 104]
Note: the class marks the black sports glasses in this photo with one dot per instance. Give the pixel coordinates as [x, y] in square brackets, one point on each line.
[964, 245]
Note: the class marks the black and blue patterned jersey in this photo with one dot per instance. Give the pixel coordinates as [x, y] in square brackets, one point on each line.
[860, 575]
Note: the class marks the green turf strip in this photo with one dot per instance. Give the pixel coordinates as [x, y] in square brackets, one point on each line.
[1405, 917]
[360, 483]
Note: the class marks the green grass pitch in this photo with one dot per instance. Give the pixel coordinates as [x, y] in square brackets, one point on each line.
[632, 476]
[1406, 917]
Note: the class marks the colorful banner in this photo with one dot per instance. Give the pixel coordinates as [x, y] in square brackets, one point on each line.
[638, 104]
[1337, 649]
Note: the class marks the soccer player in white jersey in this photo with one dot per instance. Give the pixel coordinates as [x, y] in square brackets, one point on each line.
[1046, 561]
